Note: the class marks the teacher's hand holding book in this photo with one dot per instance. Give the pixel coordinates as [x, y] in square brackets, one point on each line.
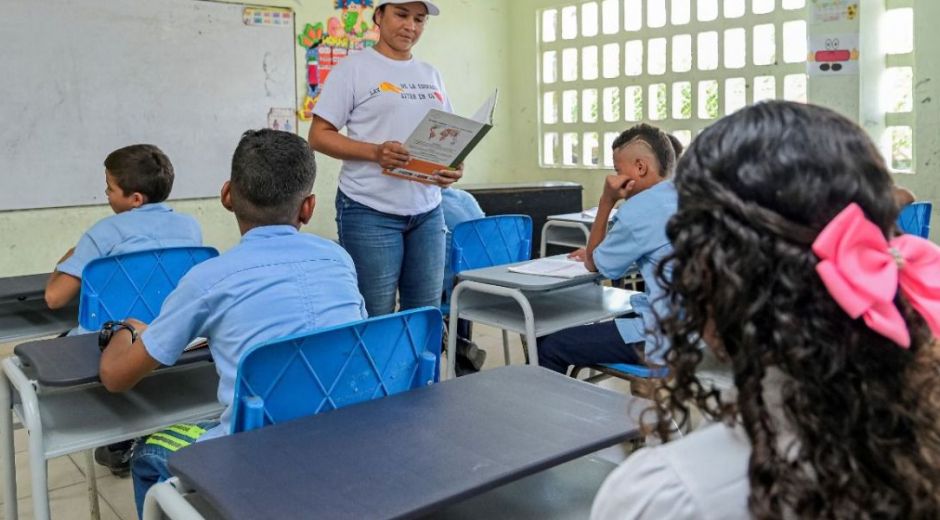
[391, 154]
[447, 177]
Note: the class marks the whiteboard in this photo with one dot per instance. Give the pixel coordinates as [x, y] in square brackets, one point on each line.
[79, 79]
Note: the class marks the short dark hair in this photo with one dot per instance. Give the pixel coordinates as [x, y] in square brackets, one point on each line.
[141, 168]
[676, 145]
[272, 172]
[658, 141]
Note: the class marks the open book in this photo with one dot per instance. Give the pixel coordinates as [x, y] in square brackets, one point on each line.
[442, 141]
[557, 266]
[592, 213]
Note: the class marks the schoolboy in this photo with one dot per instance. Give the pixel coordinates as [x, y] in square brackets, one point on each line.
[644, 158]
[276, 282]
[460, 206]
[138, 179]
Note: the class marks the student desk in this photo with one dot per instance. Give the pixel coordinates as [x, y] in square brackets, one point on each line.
[406, 455]
[53, 387]
[568, 230]
[529, 304]
[23, 310]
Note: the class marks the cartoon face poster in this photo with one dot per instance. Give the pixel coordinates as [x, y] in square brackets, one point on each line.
[833, 54]
[329, 42]
[835, 11]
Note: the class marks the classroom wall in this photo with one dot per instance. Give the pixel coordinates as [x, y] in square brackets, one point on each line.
[469, 43]
[839, 93]
[477, 45]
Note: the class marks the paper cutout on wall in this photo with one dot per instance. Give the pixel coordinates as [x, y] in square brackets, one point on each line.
[835, 11]
[270, 16]
[282, 119]
[833, 54]
[330, 42]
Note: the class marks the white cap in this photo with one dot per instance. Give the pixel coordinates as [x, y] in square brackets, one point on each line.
[432, 9]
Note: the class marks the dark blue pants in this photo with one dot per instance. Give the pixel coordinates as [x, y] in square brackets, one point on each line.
[587, 345]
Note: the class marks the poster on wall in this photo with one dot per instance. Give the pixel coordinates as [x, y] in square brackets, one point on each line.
[267, 16]
[833, 55]
[328, 43]
[282, 119]
[825, 11]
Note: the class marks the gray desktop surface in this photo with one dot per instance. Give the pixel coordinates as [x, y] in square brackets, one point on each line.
[73, 360]
[410, 454]
[501, 275]
[23, 287]
[24, 313]
[565, 492]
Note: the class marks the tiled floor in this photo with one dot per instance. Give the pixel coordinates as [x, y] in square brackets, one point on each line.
[69, 492]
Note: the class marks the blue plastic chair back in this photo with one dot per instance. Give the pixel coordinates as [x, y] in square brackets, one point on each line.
[915, 219]
[489, 241]
[338, 366]
[133, 285]
[485, 242]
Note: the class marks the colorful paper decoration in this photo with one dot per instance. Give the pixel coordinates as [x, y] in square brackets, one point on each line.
[330, 42]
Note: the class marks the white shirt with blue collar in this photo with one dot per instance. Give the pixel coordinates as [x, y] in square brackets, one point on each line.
[638, 235]
[151, 226]
[276, 282]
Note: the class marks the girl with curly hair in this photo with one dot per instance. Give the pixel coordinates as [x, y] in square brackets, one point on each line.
[786, 264]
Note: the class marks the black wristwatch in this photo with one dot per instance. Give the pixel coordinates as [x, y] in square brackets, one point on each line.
[108, 330]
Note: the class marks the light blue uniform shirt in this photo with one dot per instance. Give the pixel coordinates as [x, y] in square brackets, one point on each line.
[458, 206]
[151, 226]
[276, 282]
[638, 234]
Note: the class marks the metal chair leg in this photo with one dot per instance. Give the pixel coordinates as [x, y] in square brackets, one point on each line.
[7, 460]
[94, 508]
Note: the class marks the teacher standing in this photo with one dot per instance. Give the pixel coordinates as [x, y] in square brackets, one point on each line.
[393, 228]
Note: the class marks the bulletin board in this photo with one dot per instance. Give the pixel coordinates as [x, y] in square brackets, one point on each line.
[81, 79]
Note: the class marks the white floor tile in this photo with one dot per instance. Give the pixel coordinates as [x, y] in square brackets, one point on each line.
[68, 503]
[60, 472]
[119, 494]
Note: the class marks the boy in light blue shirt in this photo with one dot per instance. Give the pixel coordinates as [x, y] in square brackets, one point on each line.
[460, 206]
[644, 157]
[138, 179]
[276, 282]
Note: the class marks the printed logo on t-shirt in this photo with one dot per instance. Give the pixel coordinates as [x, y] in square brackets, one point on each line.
[410, 91]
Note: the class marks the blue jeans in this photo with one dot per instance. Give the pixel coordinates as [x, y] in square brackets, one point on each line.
[148, 462]
[587, 345]
[393, 253]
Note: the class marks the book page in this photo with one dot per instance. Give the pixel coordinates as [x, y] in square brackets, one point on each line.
[484, 114]
[442, 140]
[440, 137]
[558, 267]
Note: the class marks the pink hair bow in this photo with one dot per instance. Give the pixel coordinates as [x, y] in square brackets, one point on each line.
[862, 271]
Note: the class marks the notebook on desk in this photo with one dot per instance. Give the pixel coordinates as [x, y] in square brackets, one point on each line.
[556, 266]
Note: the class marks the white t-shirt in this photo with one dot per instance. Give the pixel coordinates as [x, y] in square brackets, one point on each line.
[379, 99]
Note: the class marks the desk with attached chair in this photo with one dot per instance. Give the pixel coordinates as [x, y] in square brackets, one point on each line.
[531, 305]
[65, 409]
[58, 398]
[24, 313]
[415, 453]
